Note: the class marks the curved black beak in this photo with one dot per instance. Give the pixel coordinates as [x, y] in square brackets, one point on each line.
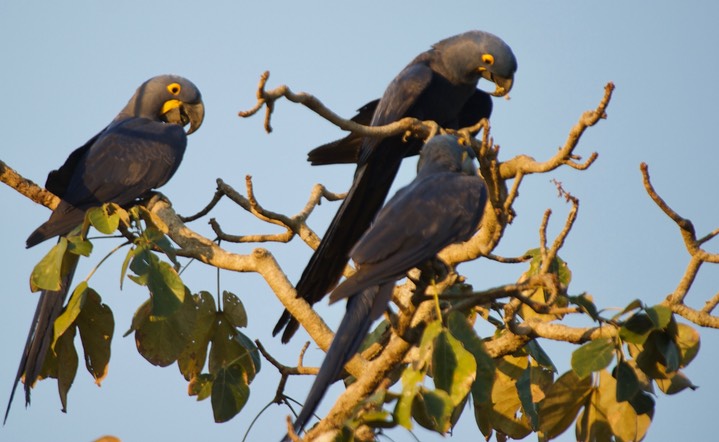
[503, 85]
[193, 113]
[177, 112]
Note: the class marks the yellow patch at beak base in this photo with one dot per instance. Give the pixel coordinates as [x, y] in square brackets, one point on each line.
[169, 105]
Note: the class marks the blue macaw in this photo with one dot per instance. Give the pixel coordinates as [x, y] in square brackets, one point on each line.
[138, 151]
[443, 205]
[438, 85]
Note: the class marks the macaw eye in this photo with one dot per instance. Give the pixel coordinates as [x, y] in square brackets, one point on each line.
[174, 88]
[488, 59]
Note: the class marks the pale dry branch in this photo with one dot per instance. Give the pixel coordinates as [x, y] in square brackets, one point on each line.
[278, 237]
[267, 99]
[27, 188]
[684, 224]
[562, 236]
[211, 205]
[508, 260]
[711, 304]
[675, 300]
[585, 165]
[537, 328]
[300, 369]
[543, 234]
[527, 165]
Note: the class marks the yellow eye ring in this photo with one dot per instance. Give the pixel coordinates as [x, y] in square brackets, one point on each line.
[488, 59]
[174, 88]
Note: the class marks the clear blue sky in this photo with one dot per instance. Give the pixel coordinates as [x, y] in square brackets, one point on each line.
[68, 68]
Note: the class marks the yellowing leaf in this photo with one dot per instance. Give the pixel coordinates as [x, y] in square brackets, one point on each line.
[103, 218]
[484, 377]
[70, 313]
[562, 403]
[46, 274]
[432, 409]
[453, 367]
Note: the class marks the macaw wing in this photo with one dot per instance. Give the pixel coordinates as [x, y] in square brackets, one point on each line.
[417, 223]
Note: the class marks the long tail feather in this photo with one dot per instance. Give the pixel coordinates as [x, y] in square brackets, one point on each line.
[350, 334]
[358, 210]
[41, 334]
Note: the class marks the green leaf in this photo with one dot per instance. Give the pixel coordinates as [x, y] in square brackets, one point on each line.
[453, 367]
[687, 340]
[411, 382]
[234, 310]
[484, 377]
[565, 275]
[627, 382]
[161, 340]
[70, 312]
[634, 305]
[660, 316]
[427, 344]
[587, 304]
[46, 274]
[192, 359]
[67, 363]
[96, 325]
[482, 416]
[251, 348]
[154, 237]
[378, 419]
[650, 359]
[227, 349]
[562, 403]
[79, 246]
[558, 266]
[104, 219]
[432, 409]
[538, 354]
[229, 393]
[166, 287]
[592, 356]
[164, 244]
[669, 351]
[636, 329]
[140, 264]
[126, 263]
[524, 391]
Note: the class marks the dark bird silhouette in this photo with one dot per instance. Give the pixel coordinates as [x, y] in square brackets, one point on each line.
[138, 151]
[443, 205]
[438, 85]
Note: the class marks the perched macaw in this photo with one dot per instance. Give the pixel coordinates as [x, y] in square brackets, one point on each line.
[439, 85]
[443, 205]
[138, 151]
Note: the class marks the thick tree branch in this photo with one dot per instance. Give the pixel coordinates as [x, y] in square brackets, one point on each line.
[27, 188]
